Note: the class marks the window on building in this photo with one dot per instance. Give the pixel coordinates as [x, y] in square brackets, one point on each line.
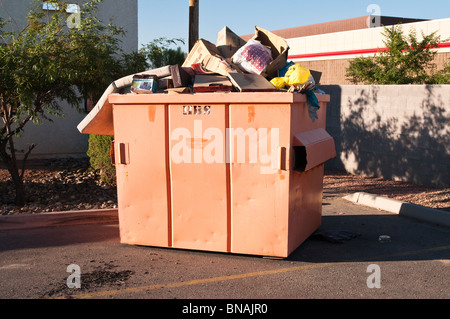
[49, 6]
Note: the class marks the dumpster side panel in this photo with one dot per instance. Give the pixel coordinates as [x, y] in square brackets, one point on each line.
[305, 205]
[143, 200]
[199, 177]
[260, 183]
[306, 188]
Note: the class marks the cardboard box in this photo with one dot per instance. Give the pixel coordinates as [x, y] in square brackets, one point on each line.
[228, 42]
[279, 48]
[207, 54]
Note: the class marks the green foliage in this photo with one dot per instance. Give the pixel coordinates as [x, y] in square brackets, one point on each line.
[407, 60]
[47, 62]
[442, 77]
[155, 54]
[99, 157]
[159, 53]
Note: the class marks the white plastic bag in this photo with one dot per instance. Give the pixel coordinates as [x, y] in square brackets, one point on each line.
[253, 57]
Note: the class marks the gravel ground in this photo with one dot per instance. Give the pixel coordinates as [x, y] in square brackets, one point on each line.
[63, 185]
[59, 185]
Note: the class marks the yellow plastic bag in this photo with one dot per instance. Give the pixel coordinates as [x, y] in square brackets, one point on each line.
[296, 75]
[279, 82]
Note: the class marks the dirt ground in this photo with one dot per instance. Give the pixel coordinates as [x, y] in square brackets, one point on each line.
[65, 185]
[343, 183]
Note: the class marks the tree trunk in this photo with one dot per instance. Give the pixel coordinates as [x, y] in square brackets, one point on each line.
[17, 178]
[19, 186]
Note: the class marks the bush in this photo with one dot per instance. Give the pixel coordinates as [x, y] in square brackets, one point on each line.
[100, 159]
[408, 59]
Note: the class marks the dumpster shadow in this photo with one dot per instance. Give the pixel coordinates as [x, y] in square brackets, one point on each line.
[408, 239]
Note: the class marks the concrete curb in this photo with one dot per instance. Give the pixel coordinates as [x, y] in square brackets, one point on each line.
[58, 219]
[418, 212]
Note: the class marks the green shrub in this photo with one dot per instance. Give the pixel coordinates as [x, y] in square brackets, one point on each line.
[100, 159]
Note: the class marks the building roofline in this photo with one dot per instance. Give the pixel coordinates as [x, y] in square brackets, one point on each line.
[335, 26]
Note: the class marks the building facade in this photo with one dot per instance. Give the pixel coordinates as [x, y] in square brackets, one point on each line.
[329, 47]
[330, 53]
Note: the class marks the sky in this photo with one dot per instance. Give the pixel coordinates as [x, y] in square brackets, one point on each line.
[170, 18]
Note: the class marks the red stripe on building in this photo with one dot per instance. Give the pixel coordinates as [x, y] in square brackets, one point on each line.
[350, 52]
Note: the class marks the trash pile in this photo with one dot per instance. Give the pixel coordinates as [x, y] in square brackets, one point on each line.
[231, 65]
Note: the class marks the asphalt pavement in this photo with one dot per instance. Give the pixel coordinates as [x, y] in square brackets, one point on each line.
[359, 252]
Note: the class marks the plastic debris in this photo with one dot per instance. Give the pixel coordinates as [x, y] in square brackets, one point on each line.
[384, 238]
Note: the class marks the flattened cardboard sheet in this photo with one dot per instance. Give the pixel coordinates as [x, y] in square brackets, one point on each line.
[251, 82]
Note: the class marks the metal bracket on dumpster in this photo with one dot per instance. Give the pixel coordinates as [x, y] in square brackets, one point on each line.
[279, 160]
[312, 148]
[112, 153]
[123, 153]
[124, 157]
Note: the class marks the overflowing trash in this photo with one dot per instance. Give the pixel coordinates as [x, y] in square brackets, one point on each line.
[231, 65]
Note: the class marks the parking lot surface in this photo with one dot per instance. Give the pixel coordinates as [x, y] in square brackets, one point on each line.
[345, 259]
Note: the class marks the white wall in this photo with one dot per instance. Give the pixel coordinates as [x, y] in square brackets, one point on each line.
[370, 38]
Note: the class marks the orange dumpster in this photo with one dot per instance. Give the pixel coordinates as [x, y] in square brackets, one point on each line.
[225, 172]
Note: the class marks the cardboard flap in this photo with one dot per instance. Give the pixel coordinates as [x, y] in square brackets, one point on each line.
[312, 148]
[278, 46]
[228, 42]
[208, 56]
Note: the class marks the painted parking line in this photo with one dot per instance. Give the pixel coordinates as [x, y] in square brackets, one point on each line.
[109, 293]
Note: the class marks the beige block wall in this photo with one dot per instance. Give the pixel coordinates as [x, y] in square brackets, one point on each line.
[399, 132]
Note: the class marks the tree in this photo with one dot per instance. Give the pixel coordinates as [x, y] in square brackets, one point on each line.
[405, 60]
[47, 62]
[159, 53]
